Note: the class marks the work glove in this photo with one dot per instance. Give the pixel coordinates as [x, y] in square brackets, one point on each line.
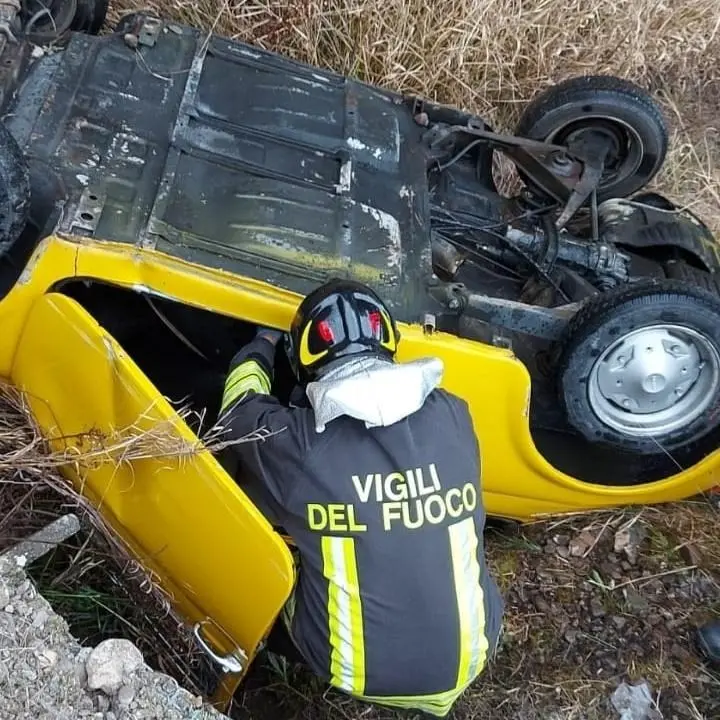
[271, 335]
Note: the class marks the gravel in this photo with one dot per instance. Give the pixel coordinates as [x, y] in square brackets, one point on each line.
[46, 675]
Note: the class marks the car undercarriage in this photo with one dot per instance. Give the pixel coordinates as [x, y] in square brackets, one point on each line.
[218, 153]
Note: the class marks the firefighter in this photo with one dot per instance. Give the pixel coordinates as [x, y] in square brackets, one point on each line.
[374, 472]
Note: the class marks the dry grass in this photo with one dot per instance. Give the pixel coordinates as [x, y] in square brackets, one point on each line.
[491, 56]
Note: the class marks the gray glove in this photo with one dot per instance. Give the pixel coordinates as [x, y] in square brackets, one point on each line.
[271, 335]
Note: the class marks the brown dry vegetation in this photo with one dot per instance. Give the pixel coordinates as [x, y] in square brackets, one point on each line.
[491, 56]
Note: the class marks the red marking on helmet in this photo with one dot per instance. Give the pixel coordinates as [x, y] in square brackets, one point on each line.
[325, 331]
[375, 322]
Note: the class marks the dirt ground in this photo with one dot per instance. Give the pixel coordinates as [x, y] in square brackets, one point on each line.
[581, 618]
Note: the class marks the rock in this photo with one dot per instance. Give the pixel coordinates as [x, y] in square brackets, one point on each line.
[4, 594]
[41, 617]
[9, 609]
[596, 608]
[541, 604]
[679, 652]
[580, 544]
[563, 551]
[636, 602]
[628, 540]
[125, 695]
[561, 540]
[571, 635]
[691, 555]
[610, 570]
[110, 664]
[47, 658]
[634, 702]
[102, 703]
[618, 621]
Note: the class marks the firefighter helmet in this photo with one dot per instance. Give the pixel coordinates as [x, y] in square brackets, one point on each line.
[338, 320]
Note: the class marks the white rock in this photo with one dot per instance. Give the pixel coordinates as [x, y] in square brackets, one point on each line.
[634, 702]
[110, 663]
[41, 617]
[125, 695]
[47, 658]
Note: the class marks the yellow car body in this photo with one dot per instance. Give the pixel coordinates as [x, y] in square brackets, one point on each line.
[187, 520]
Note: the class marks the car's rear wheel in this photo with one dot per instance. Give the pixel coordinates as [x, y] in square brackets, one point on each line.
[640, 367]
[14, 190]
[52, 21]
[620, 111]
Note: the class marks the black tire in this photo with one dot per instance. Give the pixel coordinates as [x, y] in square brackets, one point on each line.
[603, 322]
[68, 16]
[14, 190]
[618, 108]
[90, 16]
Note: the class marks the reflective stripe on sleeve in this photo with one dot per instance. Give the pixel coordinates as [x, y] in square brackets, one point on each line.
[347, 641]
[246, 377]
[470, 600]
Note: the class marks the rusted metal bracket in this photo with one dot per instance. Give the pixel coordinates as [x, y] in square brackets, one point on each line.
[569, 174]
[510, 315]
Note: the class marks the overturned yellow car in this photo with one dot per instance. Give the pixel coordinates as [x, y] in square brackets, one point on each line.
[163, 193]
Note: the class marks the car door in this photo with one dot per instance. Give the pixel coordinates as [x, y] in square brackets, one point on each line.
[217, 557]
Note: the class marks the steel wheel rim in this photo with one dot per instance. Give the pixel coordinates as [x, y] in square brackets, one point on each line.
[631, 150]
[654, 380]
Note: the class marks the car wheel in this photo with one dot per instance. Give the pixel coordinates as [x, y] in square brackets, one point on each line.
[14, 190]
[53, 21]
[616, 108]
[640, 367]
[90, 16]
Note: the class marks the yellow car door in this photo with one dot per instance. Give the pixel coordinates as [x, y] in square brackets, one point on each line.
[226, 570]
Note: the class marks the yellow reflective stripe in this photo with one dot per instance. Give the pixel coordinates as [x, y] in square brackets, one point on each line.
[330, 573]
[356, 623]
[438, 704]
[390, 343]
[246, 377]
[307, 357]
[470, 600]
[347, 640]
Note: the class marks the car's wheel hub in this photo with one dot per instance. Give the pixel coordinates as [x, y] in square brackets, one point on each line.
[654, 380]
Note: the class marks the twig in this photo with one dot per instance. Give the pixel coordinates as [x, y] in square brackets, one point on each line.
[652, 577]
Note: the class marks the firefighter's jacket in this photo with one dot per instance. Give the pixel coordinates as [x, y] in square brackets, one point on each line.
[393, 602]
